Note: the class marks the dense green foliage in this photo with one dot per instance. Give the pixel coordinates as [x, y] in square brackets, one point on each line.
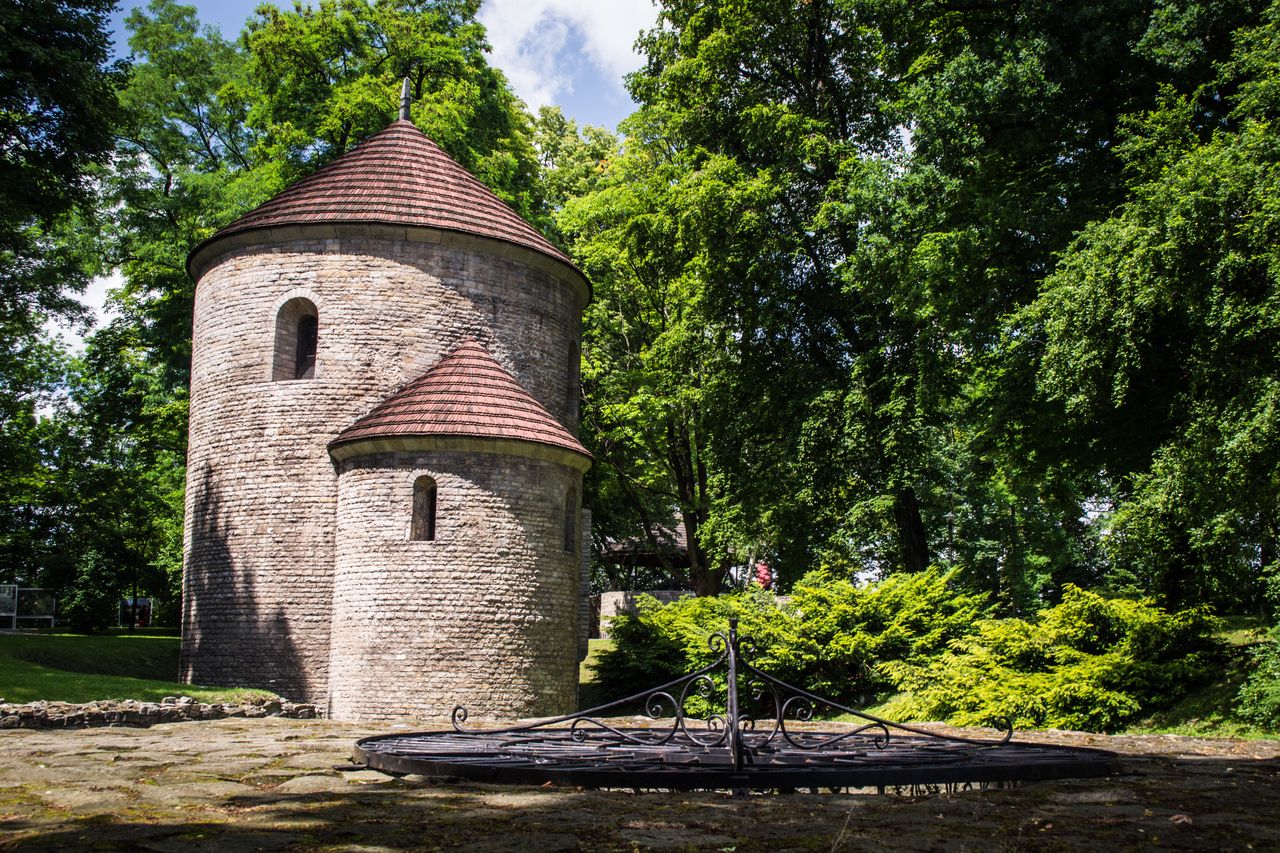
[648, 356]
[879, 287]
[830, 636]
[1089, 662]
[1259, 698]
[1164, 316]
[886, 223]
[57, 111]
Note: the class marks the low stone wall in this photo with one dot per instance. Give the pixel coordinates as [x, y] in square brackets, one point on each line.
[607, 605]
[130, 712]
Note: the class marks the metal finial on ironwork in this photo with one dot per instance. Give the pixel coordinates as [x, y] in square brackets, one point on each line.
[404, 100]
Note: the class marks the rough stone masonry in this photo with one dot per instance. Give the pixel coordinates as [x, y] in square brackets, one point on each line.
[385, 323]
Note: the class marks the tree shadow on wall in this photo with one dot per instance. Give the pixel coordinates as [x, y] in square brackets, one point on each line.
[231, 637]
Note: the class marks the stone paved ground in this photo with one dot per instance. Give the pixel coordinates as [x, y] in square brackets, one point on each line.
[240, 785]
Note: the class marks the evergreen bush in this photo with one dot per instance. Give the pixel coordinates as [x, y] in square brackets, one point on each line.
[1090, 662]
[829, 636]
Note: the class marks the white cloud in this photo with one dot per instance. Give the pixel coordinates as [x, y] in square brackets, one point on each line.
[538, 43]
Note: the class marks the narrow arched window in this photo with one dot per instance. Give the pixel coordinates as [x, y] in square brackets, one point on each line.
[575, 365]
[571, 521]
[304, 362]
[297, 336]
[423, 528]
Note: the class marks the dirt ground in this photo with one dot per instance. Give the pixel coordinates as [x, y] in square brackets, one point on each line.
[240, 785]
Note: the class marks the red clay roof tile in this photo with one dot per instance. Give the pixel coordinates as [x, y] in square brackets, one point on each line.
[467, 393]
[397, 177]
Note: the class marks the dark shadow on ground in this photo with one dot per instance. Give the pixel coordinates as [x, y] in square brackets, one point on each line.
[1168, 801]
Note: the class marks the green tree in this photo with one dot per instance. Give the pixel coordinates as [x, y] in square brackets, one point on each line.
[896, 181]
[57, 113]
[128, 471]
[648, 349]
[1161, 337]
[572, 161]
[33, 516]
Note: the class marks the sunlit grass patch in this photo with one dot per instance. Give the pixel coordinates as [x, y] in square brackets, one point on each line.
[77, 668]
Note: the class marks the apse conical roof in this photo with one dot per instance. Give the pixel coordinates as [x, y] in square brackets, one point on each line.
[467, 394]
[395, 177]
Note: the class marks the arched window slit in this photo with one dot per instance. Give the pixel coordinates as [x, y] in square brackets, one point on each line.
[304, 363]
[297, 338]
[423, 528]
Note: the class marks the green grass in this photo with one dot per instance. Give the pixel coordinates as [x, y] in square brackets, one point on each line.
[77, 668]
[586, 671]
[142, 665]
[589, 693]
[1210, 711]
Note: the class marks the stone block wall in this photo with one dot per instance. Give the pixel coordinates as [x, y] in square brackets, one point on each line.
[584, 585]
[484, 616]
[261, 488]
[607, 605]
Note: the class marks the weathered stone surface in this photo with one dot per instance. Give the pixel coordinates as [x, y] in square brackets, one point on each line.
[1170, 793]
[264, 526]
[311, 785]
[483, 616]
[130, 712]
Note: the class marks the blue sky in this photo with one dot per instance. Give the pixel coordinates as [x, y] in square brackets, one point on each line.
[573, 53]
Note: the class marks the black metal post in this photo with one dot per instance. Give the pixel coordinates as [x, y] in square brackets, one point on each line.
[731, 712]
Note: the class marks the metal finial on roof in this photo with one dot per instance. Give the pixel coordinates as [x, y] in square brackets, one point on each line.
[404, 100]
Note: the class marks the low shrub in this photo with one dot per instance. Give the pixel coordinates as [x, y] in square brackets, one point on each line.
[830, 636]
[1090, 663]
[850, 637]
[1259, 699]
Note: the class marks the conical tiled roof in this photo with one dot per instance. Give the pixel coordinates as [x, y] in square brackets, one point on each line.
[396, 177]
[467, 394]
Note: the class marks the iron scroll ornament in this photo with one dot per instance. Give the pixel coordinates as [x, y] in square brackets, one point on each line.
[741, 737]
[735, 749]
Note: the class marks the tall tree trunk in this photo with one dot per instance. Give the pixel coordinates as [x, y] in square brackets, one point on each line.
[703, 577]
[906, 515]
[690, 481]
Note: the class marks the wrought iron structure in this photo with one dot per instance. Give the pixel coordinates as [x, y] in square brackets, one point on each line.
[750, 745]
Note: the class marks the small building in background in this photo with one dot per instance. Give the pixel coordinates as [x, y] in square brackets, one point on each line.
[26, 608]
[641, 565]
[135, 613]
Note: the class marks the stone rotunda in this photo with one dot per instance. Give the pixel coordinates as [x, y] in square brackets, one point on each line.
[383, 479]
